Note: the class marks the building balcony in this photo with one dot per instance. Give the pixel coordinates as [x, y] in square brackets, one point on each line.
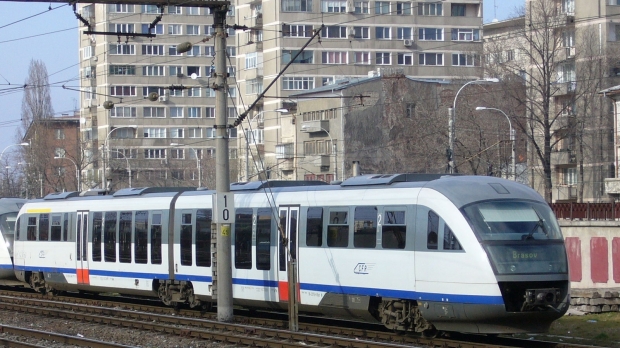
[565, 193]
[564, 88]
[254, 73]
[612, 186]
[318, 160]
[287, 164]
[563, 157]
[315, 126]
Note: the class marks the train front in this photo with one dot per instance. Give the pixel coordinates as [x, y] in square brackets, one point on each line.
[523, 242]
[9, 207]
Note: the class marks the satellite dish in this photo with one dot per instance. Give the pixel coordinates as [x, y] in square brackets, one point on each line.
[193, 76]
[108, 104]
[153, 96]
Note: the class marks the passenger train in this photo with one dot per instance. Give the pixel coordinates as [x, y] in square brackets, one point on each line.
[414, 252]
[9, 207]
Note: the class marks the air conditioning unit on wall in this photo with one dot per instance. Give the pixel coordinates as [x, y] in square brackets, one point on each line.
[407, 42]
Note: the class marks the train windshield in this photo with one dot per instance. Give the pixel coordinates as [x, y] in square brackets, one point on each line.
[7, 226]
[513, 220]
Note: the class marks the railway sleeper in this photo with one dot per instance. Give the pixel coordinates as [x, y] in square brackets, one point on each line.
[403, 315]
[172, 292]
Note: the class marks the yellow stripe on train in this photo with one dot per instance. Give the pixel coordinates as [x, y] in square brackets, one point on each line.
[39, 210]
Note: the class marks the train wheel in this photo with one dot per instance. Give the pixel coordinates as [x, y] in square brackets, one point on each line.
[431, 333]
[164, 295]
[37, 282]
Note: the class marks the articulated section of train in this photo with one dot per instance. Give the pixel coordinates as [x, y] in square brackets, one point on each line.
[414, 252]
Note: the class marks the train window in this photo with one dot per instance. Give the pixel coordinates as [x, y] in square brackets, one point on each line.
[44, 226]
[156, 229]
[203, 237]
[394, 230]
[314, 227]
[243, 239]
[338, 229]
[263, 239]
[109, 237]
[449, 239]
[18, 227]
[293, 234]
[365, 224]
[141, 229]
[32, 228]
[97, 228]
[281, 239]
[186, 239]
[65, 228]
[432, 231]
[56, 230]
[78, 238]
[124, 236]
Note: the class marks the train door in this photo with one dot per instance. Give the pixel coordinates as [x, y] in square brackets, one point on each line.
[287, 231]
[81, 248]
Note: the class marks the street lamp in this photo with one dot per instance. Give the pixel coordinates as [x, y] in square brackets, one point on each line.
[512, 140]
[198, 166]
[20, 144]
[128, 166]
[247, 138]
[77, 172]
[105, 150]
[452, 118]
[334, 146]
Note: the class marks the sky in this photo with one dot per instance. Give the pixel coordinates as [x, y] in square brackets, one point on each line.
[29, 30]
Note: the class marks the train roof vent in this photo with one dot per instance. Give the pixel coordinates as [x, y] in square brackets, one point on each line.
[258, 185]
[136, 191]
[388, 179]
[61, 195]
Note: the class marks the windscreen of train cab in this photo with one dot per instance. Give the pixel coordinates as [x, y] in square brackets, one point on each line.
[7, 226]
[519, 236]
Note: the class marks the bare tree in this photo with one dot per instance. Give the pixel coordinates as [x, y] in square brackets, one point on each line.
[37, 101]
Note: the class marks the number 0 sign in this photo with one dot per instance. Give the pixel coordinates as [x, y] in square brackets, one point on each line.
[223, 207]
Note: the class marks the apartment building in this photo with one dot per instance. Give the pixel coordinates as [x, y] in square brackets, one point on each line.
[438, 40]
[165, 142]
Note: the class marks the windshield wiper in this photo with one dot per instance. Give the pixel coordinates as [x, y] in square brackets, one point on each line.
[540, 223]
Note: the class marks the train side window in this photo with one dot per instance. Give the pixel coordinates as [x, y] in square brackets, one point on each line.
[124, 236]
[432, 231]
[18, 227]
[314, 227]
[365, 227]
[243, 239]
[109, 228]
[44, 226]
[394, 230]
[65, 228]
[186, 239]
[263, 239]
[450, 242]
[156, 230]
[338, 229]
[78, 238]
[97, 228]
[32, 228]
[56, 230]
[141, 229]
[203, 237]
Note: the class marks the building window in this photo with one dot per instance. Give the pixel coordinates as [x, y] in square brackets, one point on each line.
[305, 57]
[231, 51]
[177, 154]
[174, 9]
[361, 58]
[383, 58]
[297, 83]
[458, 10]
[210, 51]
[155, 153]
[176, 112]
[382, 7]
[194, 133]
[410, 110]
[118, 49]
[122, 70]
[175, 29]
[465, 34]
[176, 133]
[123, 91]
[430, 34]
[333, 6]
[405, 58]
[361, 32]
[463, 59]
[153, 112]
[568, 176]
[153, 50]
[172, 51]
[297, 5]
[383, 33]
[210, 112]
[431, 59]
[154, 133]
[122, 28]
[210, 132]
[123, 111]
[251, 60]
[361, 7]
[121, 8]
[334, 32]
[254, 87]
[430, 9]
[193, 11]
[334, 58]
[194, 51]
[403, 8]
[176, 71]
[153, 70]
[157, 29]
[193, 92]
[404, 34]
[193, 112]
[296, 30]
[60, 134]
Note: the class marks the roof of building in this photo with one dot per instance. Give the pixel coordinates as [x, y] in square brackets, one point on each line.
[612, 90]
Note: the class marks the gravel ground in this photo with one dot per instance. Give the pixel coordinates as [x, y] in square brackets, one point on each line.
[131, 337]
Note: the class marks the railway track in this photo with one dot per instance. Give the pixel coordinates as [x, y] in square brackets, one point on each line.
[246, 331]
[18, 334]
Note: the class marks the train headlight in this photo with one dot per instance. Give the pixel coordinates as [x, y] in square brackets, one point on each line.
[513, 268]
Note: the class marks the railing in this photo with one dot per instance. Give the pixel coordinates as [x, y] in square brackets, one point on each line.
[586, 211]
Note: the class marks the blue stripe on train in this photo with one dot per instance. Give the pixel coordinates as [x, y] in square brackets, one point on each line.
[5, 266]
[337, 289]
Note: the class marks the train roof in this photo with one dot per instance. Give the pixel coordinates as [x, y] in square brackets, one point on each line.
[10, 205]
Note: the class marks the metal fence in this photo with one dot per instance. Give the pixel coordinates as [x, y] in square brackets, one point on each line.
[586, 211]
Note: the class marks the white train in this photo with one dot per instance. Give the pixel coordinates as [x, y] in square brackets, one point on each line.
[9, 207]
[414, 252]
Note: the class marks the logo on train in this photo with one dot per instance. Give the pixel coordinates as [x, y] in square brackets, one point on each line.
[363, 268]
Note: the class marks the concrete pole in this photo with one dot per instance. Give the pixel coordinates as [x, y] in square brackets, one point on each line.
[450, 153]
[222, 183]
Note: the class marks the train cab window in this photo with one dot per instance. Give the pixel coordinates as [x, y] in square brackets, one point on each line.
[18, 227]
[65, 227]
[338, 230]
[243, 239]
[394, 230]
[156, 229]
[124, 229]
[314, 227]
[31, 230]
[186, 239]
[44, 226]
[365, 227]
[263, 239]
[56, 230]
[141, 229]
[109, 238]
[449, 239]
[432, 231]
[97, 228]
[203, 237]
